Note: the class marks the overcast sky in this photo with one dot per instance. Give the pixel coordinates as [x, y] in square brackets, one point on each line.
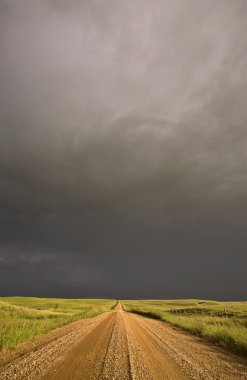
[123, 148]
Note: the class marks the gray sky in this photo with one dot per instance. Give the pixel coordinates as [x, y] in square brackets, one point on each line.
[123, 148]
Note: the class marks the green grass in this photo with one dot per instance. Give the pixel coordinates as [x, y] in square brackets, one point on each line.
[24, 318]
[223, 323]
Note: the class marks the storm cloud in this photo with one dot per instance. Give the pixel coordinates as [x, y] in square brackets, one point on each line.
[123, 148]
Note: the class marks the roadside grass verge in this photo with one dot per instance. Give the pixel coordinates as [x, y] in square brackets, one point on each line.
[24, 318]
[222, 323]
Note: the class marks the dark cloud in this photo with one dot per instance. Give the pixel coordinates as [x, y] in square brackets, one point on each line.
[123, 148]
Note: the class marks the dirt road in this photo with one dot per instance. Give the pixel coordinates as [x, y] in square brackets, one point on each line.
[123, 346]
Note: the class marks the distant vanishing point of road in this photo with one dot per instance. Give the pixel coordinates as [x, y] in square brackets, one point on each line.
[123, 346]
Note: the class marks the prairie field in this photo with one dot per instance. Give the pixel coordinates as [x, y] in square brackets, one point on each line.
[121, 344]
[222, 323]
[24, 318]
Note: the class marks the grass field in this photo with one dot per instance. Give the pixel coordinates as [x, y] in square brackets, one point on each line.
[24, 318]
[223, 323]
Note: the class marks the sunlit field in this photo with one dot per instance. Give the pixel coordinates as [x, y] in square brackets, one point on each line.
[24, 318]
[223, 323]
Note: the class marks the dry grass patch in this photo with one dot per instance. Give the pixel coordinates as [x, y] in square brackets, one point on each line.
[223, 323]
[24, 318]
